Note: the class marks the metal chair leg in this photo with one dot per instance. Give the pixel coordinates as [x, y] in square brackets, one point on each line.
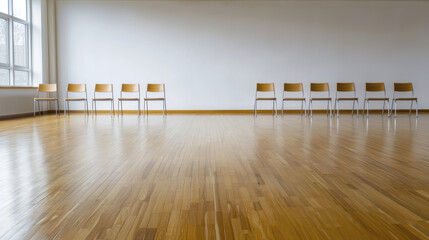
[396, 107]
[311, 108]
[357, 108]
[255, 110]
[388, 103]
[305, 109]
[283, 105]
[411, 108]
[276, 107]
[367, 109]
[337, 107]
[302, 106]
[57, 108]
[363, 109]
[34, 108]
[417, 109]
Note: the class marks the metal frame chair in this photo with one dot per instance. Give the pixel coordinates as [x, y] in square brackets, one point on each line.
[75, 88]
[103, 88]
[151, 87]
[294, 87]
[404, 87]
[45, 88]
[129, 88]
[375, 87]
[346, 87]
[320, 87]
[265, 87]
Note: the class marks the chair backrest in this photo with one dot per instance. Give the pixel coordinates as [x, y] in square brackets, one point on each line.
[103, 88]
[76, 87]
[375, 87]
[346, 87]
[152, 87]
[403, 87]
[47, 88]
[293, 87]
[130, 87]
[319, 87]
[265, 87]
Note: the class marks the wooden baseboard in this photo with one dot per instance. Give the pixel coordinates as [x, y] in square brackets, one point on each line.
[23, 115]
[205, 112]
[242, 112]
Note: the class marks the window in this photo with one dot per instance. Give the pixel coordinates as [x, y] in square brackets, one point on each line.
[15, 44]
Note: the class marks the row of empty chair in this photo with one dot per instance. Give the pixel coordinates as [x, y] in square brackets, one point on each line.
[343, 88]
[102, 93]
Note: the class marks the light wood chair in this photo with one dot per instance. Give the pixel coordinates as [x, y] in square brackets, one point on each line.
[155, 88]
[48, 89]
[294, 87]
[265, 87]
[404, 88]
[103, 89]
[76, 88]
[346, 87]
[320, 88]
[375, 88]
[129, 88]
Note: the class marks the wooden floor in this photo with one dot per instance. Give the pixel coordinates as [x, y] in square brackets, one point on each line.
[214, 177]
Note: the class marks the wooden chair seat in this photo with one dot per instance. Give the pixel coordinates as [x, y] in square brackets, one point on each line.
[320, 99]
[154, 99]
[272, 99]
[405, 99]
[377, 99]
[102, 99]
[347, 99]
[293, 99]
[128, 99]
[74, 99]
[45, 99]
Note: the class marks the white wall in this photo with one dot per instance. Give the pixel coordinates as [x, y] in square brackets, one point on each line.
[210, 54]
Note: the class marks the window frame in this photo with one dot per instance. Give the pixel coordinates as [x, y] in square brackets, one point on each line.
[10, 65]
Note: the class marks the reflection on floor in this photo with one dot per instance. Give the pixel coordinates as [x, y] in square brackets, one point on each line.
[214, 177]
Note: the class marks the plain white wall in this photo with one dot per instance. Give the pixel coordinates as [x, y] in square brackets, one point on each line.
[210, 54]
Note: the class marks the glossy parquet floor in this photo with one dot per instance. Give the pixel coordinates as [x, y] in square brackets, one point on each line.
[214, 177]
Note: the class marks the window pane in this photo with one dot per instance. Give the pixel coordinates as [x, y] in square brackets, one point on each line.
[4, 77]
[20, 44]
[3, 41]
[4, 6]
[20, 9]
[21, 78]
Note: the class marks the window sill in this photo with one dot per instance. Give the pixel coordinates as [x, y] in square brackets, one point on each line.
[15, 87]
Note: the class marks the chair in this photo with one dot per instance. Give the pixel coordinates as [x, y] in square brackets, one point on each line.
[103, 88]
[76, 88]
[45, 88]
[371, 88]
[265, 87]
[321, 88]
[155, 88]
[404, 88]
[346, 88]
[129, 88]
[294, 87]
